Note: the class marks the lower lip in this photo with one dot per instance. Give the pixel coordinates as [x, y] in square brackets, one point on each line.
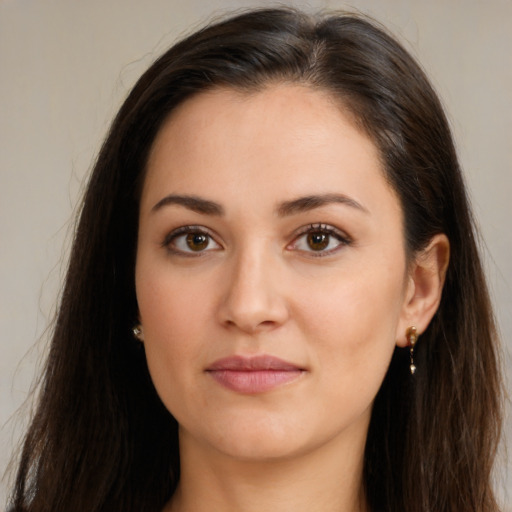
[254, 381]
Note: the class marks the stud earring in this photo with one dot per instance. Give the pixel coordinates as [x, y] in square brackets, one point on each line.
[412, 337]
[137, 332]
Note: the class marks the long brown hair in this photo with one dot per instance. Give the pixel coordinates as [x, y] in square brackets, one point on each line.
[101, 440]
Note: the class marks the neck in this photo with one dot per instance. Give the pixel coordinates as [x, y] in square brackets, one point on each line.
[328, 478]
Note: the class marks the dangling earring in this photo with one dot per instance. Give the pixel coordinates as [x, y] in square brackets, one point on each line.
[412, 336]
[137, 332]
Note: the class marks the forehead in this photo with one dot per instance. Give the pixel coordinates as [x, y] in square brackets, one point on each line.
[293, 109]
[283, 140]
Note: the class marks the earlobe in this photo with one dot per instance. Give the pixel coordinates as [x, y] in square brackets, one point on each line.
[137, 333]
[425, 285]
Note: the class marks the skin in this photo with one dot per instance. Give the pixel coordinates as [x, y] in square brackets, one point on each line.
[261, 287]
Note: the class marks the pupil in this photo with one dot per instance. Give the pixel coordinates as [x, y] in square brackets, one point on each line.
[197, 241]
[318, 241]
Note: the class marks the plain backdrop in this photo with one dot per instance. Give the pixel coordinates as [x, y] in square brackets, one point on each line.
[65, 66]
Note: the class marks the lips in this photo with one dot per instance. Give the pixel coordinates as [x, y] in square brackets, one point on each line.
[252, 375]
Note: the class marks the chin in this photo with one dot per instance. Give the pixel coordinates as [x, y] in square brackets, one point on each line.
[262, 437]
[246, 435]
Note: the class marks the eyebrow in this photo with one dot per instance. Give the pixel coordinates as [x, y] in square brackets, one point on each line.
[299, 205]
[194, 203]
[304, 204]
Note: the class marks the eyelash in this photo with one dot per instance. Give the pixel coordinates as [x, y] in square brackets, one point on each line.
[322, 229]
[186, 230]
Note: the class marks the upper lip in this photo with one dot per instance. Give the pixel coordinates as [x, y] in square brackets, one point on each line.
[252, 363]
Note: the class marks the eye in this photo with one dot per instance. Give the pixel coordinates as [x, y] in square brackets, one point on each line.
[190, 241]
[319, 240]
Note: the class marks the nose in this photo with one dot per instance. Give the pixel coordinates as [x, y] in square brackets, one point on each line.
[253, 299]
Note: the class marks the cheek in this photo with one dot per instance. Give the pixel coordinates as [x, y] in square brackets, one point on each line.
[171, 303]
[352, 341]
[353, 322]
[173, 316]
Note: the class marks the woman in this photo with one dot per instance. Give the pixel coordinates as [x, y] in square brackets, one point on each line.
[274, 299]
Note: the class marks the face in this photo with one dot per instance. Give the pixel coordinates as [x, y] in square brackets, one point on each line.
[270, 274]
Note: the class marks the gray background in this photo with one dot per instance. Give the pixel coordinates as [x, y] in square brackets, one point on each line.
[65, 66]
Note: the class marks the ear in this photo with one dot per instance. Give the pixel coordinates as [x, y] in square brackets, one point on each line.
[424, 287]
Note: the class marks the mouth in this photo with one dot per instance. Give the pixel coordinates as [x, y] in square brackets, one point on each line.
[253, 375]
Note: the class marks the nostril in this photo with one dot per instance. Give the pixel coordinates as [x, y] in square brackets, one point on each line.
[249, 326]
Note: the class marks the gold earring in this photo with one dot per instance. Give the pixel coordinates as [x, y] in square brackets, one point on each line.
[137, 332]
[412, 337]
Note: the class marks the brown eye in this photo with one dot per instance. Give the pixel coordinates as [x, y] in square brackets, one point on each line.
[190, 241]
[318, 241]
[197, 241]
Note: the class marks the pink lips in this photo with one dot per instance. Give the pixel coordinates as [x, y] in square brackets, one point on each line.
[253, 375]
